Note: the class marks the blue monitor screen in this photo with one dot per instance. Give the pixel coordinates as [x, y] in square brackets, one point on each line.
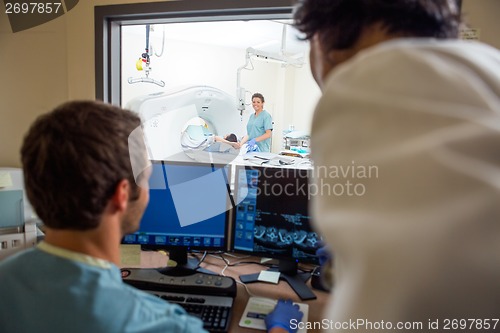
[272, 217]
[188, 205]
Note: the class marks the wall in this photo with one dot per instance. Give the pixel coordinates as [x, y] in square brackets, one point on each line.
[305, 98]
[43, 67]
[483, 15]
[34, 70]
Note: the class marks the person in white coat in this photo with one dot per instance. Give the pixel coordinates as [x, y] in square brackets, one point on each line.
[410, 115]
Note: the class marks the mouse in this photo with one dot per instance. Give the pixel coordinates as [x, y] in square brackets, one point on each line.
[317, 280]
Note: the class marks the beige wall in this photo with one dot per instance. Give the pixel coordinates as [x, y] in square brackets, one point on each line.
[34, 78]
[43, 67]
[483, 15]
[46, 65]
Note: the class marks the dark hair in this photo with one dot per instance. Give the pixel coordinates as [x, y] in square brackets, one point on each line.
[73, 158]
[340, 22]
[232, 137]
[258, 95]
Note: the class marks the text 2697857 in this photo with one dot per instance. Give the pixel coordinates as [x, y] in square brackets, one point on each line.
[33, 7]
[470, 324]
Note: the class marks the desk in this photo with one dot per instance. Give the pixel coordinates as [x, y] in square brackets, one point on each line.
[150, 259]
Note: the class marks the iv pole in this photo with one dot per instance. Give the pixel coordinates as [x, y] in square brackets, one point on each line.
[146, 60]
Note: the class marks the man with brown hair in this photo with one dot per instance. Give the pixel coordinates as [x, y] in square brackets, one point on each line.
[79, 178]
[86, 175]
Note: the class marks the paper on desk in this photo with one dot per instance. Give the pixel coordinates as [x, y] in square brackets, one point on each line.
[130, 254]
[269, 276]
[5, 179]
[258, 307]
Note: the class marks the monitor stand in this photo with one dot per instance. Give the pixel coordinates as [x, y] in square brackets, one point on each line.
[185, 266]
[288, 272]
[184, 278]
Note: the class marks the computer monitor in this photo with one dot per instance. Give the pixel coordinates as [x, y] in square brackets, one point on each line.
[272, 220]
[188, 210]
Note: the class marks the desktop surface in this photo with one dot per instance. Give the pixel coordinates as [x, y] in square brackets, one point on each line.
[153, 259]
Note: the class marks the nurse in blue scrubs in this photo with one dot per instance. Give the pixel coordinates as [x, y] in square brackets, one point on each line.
[259, 127]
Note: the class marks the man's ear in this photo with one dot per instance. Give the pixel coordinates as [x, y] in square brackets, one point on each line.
[121, 195]
[332, 56]
[336, 57]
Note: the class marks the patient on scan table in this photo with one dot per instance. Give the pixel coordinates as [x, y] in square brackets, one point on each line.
[198, 138]
[228, 139]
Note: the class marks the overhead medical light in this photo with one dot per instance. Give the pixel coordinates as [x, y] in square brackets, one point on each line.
[281, 57]
[278, 58]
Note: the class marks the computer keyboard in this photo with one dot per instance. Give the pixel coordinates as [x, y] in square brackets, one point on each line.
[214, 311]
[207, 296]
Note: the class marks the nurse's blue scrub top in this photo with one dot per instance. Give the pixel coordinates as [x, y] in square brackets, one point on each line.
[257, 126]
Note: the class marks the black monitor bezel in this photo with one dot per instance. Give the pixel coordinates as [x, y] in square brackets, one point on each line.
[227, 234]
[233, 231]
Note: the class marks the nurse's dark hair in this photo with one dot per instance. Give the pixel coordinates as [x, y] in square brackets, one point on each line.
[339, 23]
[73, 159]
[258, 95]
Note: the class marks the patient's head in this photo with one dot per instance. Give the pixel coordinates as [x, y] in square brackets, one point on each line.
[73, 158]
[231, 137]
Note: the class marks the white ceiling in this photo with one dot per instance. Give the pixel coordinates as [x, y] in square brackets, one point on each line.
[264, 35]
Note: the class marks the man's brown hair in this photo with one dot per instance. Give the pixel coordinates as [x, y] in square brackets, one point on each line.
[73, 158]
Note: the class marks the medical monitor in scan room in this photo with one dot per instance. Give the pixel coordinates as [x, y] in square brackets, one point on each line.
[272, 216]
[272, 220]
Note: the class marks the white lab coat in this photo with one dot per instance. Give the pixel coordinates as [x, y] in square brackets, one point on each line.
[419, 239]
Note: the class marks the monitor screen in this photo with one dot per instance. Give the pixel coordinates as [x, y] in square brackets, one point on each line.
[188, 208]
[272, 217]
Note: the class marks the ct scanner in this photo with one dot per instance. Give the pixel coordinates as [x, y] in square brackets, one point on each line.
[164, 118]
[165, 115]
